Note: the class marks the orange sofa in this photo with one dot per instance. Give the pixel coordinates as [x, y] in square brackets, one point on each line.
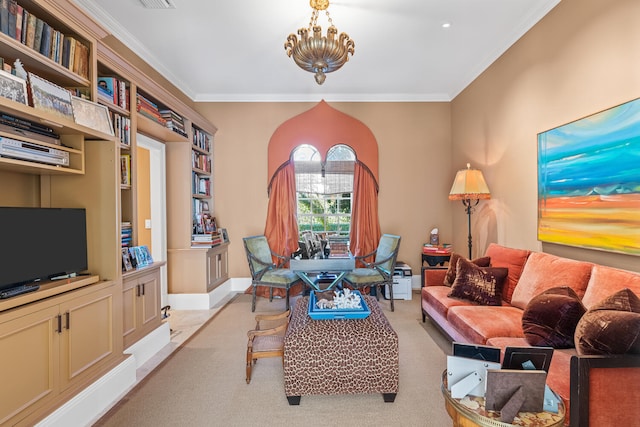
[601, 390]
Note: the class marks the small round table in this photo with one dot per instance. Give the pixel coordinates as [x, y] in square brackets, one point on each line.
[470, 412]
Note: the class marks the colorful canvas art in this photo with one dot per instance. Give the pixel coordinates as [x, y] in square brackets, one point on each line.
[589, 181]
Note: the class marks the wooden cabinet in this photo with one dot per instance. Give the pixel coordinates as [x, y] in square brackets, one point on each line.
[197, 271]
[52, 348]
[217, 267]
[141, 303]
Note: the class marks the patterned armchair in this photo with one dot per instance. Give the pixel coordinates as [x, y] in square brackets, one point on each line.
[380, 271]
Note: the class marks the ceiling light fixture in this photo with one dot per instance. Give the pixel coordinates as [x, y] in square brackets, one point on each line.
[318, 54]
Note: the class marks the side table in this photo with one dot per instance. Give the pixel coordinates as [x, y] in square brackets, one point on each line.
[435, 259]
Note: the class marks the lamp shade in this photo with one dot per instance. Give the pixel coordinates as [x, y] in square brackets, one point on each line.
[469, 184]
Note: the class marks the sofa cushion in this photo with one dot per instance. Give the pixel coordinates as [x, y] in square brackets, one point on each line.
[437, 298]
[550, 318]
[450, 276]
[512, 259]
[478, 323]
[605, 281]
[611, 327]
[543, 271]
[478, 284]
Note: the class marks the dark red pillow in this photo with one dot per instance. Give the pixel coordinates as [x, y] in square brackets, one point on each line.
[450, 275]
[550, 318]
[611, 326]
[478, 284]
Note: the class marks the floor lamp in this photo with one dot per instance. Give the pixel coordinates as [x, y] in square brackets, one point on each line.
[469, 186]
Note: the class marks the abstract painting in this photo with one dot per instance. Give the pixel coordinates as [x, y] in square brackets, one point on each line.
[589, 181]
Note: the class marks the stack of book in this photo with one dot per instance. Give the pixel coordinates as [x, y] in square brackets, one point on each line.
[201, 185]
[173, 121]
[126, 233]
[114, 91]
[201, 139]
[149, 109]
[121, 127]
[201, 161]
[208, 240]
[444, 249]
[22, 127]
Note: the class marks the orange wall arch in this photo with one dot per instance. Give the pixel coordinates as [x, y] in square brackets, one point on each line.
[323, 127]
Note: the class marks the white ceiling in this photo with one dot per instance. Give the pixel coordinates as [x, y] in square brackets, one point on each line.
[234, 50]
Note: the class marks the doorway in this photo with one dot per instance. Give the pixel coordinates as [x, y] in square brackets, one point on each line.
[155, 226]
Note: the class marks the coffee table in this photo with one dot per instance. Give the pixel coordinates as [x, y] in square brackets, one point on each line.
[303, 267]
[470, 412]
[340, 356]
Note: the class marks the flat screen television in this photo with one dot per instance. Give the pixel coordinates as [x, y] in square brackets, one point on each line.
[41, 243]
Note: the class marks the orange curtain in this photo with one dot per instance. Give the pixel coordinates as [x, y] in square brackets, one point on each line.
[281, 228]
[365, 224]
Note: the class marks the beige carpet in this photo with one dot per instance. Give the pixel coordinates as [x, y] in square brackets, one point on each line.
[203, 383]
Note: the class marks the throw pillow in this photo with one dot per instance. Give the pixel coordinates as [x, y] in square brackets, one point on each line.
[450, 275]
[550, 318]
[478, 284]
[611, 327]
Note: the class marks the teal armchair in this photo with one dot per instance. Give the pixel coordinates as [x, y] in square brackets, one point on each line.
[264, 272]
[380, 271]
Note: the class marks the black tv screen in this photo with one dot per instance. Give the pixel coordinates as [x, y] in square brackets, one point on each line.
[40, 243]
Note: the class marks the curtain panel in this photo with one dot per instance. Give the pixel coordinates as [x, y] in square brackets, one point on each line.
[365, 224]
[281, 228]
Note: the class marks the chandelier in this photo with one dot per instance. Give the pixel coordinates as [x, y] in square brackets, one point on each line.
[318, 54]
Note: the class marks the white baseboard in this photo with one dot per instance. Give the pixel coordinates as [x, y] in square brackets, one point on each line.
[95, 399]
[152, 343]
[210, 300]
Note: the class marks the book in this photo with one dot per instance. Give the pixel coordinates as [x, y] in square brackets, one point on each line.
[125, 169]
[19, 17]
[4, 16]
[45, 40]
[37, 41]
[31, 30]
[13, 15]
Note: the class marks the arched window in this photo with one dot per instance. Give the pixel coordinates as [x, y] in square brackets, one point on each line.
[324, 189]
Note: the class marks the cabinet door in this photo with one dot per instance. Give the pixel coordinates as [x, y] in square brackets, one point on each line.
[29, 357]
[129, 307]
[150, 299]
[88, 337]
[217, 267]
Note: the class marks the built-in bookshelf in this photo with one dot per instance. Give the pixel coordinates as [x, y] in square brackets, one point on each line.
[77, 57]
[60, 162]
[203, 220]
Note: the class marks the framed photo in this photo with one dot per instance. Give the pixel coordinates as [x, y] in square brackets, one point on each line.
[92, 115]
[132, 257]
[146, 255]
[51, 98]
[126, 260]
[13, 88]
[225, 235]
[527, 358]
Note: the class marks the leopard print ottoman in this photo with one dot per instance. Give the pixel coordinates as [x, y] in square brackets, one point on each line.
[342, 356]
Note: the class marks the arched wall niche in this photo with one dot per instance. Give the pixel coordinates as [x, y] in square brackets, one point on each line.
[323, 127]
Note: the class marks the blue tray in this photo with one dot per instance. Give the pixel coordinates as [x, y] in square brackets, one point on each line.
[344, 313]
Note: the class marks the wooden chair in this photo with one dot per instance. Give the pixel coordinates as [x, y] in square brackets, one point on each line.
[264, 272]
[266, 341]
[380, 271]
